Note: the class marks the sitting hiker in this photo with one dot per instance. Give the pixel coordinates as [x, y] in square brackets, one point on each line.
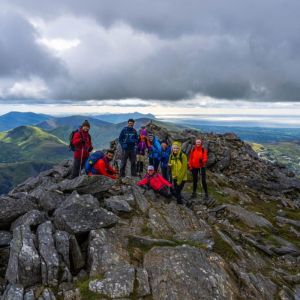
[81, 144]
[178, 166]
[101, 165]
[156, 182]
[164, 160]
[197, 163]
[141, 150]
[154, 151]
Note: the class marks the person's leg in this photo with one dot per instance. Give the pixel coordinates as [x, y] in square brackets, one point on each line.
[195, 181]
[124, 158]
[151, 161]
[165, 192]
[75, 168]
[132, 158]
[203, 179]
[164, 173]
[178, 188]
[156, 164]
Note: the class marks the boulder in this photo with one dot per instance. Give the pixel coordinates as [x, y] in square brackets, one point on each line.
[118, 282]
[62, 245]
[24, 259]
[12, 208]
[81, 214]
[186, 272]
[117, 205]
[13, 292]
[31, 218]
[143, 282]
[49, 255]
[86, 184]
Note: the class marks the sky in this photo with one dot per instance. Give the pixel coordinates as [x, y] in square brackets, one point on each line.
[167, 57]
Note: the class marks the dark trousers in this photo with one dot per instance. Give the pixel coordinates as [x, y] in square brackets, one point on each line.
[154, 162]
[165, 173]
[177, 190]
[165, 192]
[195, 173]
[76, 167]
[131, 154]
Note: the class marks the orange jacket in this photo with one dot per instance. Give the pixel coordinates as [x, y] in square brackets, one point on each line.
[104, 168]
[198, 157]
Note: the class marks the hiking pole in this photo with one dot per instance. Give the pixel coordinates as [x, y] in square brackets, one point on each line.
[80, 161]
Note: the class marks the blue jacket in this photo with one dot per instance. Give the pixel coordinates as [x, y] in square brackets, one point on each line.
[128, 138]
[155, 149]
[165, 154]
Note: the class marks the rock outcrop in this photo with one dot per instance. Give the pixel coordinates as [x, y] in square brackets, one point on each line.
[96, 238]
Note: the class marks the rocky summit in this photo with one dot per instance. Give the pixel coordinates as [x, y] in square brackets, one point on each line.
[96, 238]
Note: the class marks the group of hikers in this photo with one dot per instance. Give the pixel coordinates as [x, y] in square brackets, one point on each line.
[167, 165]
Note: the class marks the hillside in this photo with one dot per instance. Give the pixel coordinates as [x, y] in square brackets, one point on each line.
[14, 119]
[96, 238]
[25, 151]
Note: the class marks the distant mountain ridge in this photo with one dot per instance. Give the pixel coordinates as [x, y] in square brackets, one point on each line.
[118, 118]
[14, 119]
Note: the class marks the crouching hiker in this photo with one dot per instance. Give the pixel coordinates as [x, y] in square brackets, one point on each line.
[156, 182]
[99, 164]
[178, 166]
[81, 144]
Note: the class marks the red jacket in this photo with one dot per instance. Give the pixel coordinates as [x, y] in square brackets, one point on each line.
[84, 148]
[198, 157]
[156, 181]
[102, 167]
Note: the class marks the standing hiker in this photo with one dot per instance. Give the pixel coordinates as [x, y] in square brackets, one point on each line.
[197, 163]
[81, 144]
[141, 150]
[164, 160]
[154, 151]
[178, 166]
[128, 139]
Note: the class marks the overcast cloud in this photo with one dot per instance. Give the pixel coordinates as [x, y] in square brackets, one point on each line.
[161, 49]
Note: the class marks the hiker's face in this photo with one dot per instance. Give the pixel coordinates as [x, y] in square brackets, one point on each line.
[85, 128]
[109, 156]
[150, 138]
[164, 146]
[150, 172]
[198, 142]
[175, 149]
[130, 124]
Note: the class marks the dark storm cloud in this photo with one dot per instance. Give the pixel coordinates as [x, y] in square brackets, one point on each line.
[20, 55]
[234, 49]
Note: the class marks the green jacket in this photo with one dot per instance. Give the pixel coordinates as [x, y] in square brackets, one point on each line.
[179, 166]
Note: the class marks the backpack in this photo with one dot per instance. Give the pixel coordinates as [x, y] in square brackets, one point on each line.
[71, 145]
[93, 158]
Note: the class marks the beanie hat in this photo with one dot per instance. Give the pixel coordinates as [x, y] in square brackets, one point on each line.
[150, 168]
[86, 123]
[178, 144]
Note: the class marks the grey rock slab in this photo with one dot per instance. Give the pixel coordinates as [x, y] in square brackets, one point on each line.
[288, 221]
[249, 218]
[24, 259]
[196, 237]
[146, 241]
[117, 205]
[13, 292]
[76, 256]
[62, 245]
[140, 199]
[29, 295]
[31, 218]
[5, 238]
[81, 214]
[11, 209]
[186, 272]
[86, 184]
[105, 251]
[143, 282]
[118, 282]
[49, 255]
[48, 200]
[47, 295]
